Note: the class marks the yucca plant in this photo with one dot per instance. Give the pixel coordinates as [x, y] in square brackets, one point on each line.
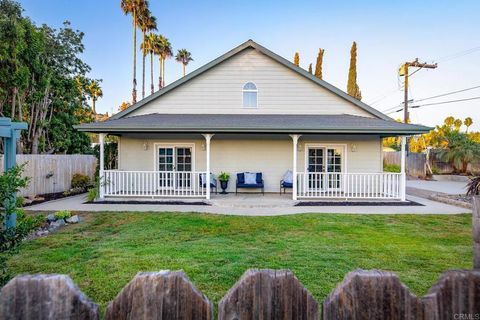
[473, 187]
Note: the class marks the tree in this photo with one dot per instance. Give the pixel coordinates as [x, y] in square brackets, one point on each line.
[149, 45]
[318, 65]
[133, 7]
[95, 92]
[460, 150]
[352, 86]
[163, 49]
[124, 106]
[184, 57]
[296, 59]
[310, 68]
[43, 82]
[147, 22]
[468, 122]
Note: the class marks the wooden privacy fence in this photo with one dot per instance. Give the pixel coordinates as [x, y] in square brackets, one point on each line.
[259, 294]
[53, 173]
[416, 162]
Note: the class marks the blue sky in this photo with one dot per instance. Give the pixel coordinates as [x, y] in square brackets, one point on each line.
[387, 33]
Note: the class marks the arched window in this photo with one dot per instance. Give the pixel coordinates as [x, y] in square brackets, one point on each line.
[250, 95]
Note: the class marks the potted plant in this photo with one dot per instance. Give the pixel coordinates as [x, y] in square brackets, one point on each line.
[223, 178]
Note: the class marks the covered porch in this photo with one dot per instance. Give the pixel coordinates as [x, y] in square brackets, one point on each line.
[334, 156]
[159, 165]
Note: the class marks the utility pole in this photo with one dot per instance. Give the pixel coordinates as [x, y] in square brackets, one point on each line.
[404, 72]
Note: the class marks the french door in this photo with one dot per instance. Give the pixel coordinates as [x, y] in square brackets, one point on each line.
[324, 166]
[175, 165]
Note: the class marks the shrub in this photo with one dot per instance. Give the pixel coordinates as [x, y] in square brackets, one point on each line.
[20, 202]
[473, 187]
[92, 194]
[63, 214]
[391, 168]
[80, 181]
[435, 170]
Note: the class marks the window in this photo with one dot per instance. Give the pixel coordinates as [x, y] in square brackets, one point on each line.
[250, 95]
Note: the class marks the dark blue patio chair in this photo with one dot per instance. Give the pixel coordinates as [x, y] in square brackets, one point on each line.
[284, 184]
[240, 183]
[213, 182]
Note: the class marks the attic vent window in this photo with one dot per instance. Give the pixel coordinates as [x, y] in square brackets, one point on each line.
[250, 95]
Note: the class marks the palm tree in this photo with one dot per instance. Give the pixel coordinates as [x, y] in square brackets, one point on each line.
[149, 45]
[468, 122]
[184, 57]
[163, 49]
[147, 22]
[133, 7]
[95, 92]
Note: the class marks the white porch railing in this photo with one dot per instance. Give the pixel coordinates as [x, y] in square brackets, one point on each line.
[117, 183]
[383, 185]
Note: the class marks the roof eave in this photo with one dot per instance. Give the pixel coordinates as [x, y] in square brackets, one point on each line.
[249, 130]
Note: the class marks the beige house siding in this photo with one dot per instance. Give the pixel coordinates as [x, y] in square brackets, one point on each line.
[271, 157]
[280, 91]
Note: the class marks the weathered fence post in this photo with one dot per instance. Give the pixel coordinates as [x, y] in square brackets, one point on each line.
[372, 295]
[45, 297]
[268, 294]
[476, 232]
[160, 295]
[456, 295]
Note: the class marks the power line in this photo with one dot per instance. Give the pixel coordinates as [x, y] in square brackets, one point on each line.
[444, 102]
[458, 54]
[448, 93]
[435, 103]
[432, 97]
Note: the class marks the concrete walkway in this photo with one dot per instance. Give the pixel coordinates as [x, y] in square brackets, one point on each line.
[447, 187]
[249, 205]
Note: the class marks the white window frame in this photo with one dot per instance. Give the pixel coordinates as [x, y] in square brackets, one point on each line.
[158, 145]
[326, 146]
[249, 90]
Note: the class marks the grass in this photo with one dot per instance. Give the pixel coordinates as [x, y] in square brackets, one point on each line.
[103, 253]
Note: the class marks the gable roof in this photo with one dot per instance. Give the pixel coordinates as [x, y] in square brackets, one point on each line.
[251, 44]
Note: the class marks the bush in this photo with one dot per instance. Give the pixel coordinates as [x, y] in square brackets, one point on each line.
[473, 187]
[20, 202]
[92, 194]
[80, 181]
[63, 214]
[435, 170]
[391, 168]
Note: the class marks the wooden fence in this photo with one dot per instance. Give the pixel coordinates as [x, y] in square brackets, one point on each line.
[259, 294]
[416, 162]
[53, 173]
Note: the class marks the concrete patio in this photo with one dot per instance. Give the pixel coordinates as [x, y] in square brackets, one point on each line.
[250, 205]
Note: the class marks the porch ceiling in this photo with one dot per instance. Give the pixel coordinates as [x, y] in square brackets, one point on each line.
[253, 123]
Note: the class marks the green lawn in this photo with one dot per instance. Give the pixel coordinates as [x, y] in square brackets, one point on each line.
[105, 251]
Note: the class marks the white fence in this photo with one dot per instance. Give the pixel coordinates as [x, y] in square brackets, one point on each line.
[349, 185]
[52, 173]
[118, 183]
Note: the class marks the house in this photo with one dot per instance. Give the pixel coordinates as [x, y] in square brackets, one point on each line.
[251, 110]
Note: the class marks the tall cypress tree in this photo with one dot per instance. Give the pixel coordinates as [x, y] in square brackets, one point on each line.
[318, 65]
[296, 59]
[352, 86]
[310, 68]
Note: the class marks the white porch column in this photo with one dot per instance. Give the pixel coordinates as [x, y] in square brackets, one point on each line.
[101, 194]
[208, 137]
[295, 138]
[403, 176]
